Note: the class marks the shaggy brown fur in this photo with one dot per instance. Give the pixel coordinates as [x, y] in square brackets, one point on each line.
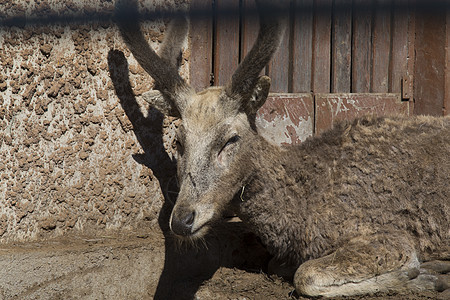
[355, 209]
[371, 175]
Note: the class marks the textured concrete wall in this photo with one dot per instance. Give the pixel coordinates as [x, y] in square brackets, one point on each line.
[76, 153]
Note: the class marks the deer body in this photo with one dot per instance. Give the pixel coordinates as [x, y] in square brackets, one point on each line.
[358, 179]
[354, 209]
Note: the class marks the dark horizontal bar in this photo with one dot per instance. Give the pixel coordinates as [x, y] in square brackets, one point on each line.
[38, 18]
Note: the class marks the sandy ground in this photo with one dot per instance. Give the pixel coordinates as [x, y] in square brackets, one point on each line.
[230, 264]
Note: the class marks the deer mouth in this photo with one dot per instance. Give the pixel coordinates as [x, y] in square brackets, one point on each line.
[200, 231]
[192, 224]
[195, 234]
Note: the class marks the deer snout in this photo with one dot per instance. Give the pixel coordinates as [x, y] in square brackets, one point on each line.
[182, 222]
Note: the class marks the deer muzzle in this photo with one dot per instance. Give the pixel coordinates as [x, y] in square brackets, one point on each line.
[182, 222]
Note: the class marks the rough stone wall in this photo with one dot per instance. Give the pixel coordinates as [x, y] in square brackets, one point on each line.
[76, 153]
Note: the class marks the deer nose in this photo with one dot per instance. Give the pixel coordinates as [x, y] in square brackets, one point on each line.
[182, 223]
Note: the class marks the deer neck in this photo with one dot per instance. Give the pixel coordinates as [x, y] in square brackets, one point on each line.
[271, 200]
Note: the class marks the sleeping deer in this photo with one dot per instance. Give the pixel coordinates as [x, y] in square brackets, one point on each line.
[355, 210]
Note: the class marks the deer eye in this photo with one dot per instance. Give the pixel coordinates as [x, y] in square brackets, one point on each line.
[230, 141]
[222, 156]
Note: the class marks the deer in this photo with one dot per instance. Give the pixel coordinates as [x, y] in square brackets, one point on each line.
[357, 210]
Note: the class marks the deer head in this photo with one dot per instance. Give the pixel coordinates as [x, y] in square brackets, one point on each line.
[217, 134]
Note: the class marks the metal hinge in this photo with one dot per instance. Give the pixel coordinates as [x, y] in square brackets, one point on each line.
[407, 87]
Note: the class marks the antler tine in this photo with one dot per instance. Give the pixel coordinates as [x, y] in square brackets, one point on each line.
[162, 69]
[173, 41]
[272, 28]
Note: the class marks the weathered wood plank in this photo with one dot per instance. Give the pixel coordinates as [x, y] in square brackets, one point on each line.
[226, 56]
[381, 40]
[278, 67]
[321, 66]
[447, 67]
[250, 26]
[361, 49]
[302, 46]
[286, 118]
[429, 76]
[341, 47]
[331, 108]
[200, 38]
[399, 54]
[408, 87]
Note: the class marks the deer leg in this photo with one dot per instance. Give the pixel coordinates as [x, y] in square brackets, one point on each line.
[440, 268]
[383, 262]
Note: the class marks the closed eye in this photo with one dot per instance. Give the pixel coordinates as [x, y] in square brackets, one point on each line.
[231, 141]
[223, 155]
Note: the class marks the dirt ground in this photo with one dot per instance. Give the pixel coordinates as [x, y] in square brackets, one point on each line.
[238, 284]
[230, 264]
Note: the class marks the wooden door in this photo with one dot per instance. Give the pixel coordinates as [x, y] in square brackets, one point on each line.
[339, 59]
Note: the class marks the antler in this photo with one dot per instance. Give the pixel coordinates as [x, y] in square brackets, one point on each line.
[163, 69]
[272, 26]
[173, 41]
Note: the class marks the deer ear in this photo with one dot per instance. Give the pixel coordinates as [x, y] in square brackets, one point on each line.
[156, 99]
[259, 95]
